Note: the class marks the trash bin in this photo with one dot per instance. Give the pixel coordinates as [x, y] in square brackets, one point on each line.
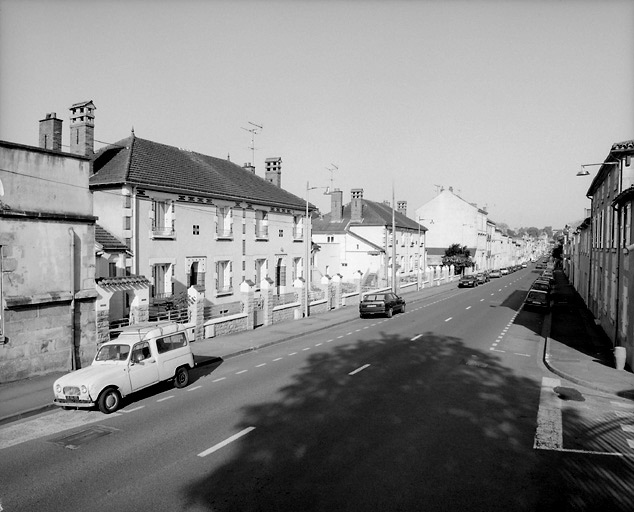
[619, 357]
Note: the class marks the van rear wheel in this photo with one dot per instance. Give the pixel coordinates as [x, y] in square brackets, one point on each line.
[181, 379]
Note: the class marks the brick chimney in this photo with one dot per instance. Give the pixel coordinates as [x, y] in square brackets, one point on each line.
[336, 205]
[273, 171]
[51, 132]
[356, 205]
[82, 128]
[401, 207]
[248, 167]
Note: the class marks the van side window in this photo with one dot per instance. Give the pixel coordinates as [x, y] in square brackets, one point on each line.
[141, 351]
[171, 342]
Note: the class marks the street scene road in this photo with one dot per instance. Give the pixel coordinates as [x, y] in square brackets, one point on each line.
[447, 406]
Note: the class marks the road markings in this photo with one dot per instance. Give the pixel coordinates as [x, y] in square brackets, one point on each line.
[226, 442]
[482, 300]
[627, 428]
[496, 350]
[360, 369]
[468, 307]
[524, 355]
[126, 411]
[278, 359]
[319, 344]
[447, 320]
[305, 349]
[195, 387]
[165, 398]
[241, 371]
[218, 380]
[260, 365]
[292, 353]
[416, 337]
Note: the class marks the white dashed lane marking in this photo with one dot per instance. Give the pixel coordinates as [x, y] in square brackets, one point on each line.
[226, 442]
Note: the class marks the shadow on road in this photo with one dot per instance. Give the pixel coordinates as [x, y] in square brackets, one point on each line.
[429, 425]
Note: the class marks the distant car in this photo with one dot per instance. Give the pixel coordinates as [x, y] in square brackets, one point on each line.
[142, 355]
[495, 273]
[524, 265]
[385, 303]
[537, 299]
[504, 271]
[482, 277]
[541, 285]
[468, 281]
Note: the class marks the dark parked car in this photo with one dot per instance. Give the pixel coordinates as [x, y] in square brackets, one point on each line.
[470, 280]
[385, 303]
[537, 299]
[540, 285]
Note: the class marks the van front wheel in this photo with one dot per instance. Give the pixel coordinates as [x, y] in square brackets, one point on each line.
[181, 379]
[109, 401]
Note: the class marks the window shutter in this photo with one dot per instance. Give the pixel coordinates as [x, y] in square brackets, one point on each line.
[231, 274]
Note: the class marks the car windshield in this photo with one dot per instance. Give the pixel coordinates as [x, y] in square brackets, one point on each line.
[375, 297]
[113, 353]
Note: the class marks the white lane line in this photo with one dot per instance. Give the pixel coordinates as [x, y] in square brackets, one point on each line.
[292, 353]
[305, 349]
[493, 294]
[218, 380]
[496, 350]
[260, 365]
[241, 371]
[226, 442]
[549, 432]
[130, 410]
[468, 307]
[339, 337]
[165, 398]
[361, 368]
[330, 341]
[278, 359]
[195, 387]
[523, 355]
[348, 334]
[447, 320]
[482, 300]
[319, 344]
[416, 337]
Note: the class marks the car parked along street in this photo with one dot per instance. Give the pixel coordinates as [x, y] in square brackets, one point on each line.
[385, 303]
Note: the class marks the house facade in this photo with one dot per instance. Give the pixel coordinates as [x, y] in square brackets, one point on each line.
[47, 257]
[602, 266]
[356, 241]
[190, 219]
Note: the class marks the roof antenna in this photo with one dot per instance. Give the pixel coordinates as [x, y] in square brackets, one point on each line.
[332, 169]
[253, 131]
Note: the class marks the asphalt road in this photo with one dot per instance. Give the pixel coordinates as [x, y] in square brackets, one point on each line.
[445, 407]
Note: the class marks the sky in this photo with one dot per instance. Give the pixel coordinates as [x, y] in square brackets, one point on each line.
[501, 100]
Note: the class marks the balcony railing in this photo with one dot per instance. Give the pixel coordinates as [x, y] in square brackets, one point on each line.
[261, 231]
[163, 232]
[298, 233]
[224, 233]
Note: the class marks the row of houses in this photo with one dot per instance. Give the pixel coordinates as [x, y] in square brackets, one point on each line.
[598, 254]
[93, 239]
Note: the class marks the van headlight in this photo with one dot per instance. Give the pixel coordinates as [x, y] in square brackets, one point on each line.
[84, 390]
[58, 388]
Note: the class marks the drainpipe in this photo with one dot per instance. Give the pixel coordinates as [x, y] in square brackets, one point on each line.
[72, 299]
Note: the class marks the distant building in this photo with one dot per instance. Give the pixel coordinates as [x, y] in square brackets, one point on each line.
[355, 240]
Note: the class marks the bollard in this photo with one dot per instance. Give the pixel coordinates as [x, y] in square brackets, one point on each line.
[619, 357]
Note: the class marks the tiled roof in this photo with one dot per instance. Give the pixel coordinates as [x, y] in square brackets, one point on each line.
[108, 241]
[373, 214]
[153, 165]
[623, 146]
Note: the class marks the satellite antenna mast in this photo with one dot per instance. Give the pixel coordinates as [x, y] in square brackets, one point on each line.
[332, 169]
[253, 131]
[438, 188]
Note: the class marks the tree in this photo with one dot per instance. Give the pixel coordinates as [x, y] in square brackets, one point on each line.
[532, 231]
[458, 256]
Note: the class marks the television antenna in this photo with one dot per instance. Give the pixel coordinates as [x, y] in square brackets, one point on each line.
[438, 189]
[255, 130]
[332, 169]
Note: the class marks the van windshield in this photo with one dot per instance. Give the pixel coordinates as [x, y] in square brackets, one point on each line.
[113, 353]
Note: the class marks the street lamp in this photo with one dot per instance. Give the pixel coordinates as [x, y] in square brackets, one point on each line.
[307, 265]
[585, 172]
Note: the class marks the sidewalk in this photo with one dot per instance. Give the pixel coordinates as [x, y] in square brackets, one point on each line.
[574, 349]
[577, 349]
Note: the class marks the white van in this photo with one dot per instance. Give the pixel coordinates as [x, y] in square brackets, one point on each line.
[142, 355]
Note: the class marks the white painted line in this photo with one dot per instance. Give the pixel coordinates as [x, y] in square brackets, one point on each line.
[361, 368]
[305, 349]
[260, 365]
[292, 353]
[126, 411]
[549, 432]
[447, 320]
[241, 371]
[165, 398]
[319, 344]
[218, 380]
[524, 355]
[195, 387]
[358, 330]
[468, 307]
[339, 337]
[622, 405]
[278, 359]
[496, 350]
[226, 442]
[493, 294]
[416, 337]
[500, 290]
[482, 300]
